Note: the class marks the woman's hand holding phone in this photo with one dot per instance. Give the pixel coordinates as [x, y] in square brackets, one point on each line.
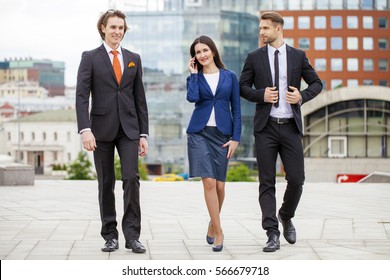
[192, 66]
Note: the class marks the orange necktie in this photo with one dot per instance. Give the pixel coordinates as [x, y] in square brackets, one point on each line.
[117, 66]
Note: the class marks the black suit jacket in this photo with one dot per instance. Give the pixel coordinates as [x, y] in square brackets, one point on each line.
[257, 73]
[112, 104]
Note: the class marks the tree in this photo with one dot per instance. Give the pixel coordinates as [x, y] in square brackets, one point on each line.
[143, 171]
[80, 169]
[239, 173]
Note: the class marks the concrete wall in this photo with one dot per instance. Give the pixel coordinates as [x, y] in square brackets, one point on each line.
[326, 169]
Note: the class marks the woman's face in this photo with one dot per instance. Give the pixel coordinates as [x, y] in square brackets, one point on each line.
[203, 54]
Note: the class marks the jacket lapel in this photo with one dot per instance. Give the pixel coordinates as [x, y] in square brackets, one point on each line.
[265, 60]
[104, 55]
[204, 83]
[290, 58]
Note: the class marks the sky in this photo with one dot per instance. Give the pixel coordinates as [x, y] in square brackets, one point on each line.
[58, 30]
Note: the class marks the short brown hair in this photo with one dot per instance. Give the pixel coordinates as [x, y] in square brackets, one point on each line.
[275, 17]
[104, 19]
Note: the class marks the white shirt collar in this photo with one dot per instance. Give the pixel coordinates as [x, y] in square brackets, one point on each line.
[282, 49]
[109, 49]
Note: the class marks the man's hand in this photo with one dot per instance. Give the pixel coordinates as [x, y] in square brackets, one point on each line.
[293, 97]
[270, 95]
[89, 142]
[143, 147]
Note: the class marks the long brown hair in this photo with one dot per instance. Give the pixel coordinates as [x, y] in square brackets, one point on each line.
[210, 43]
[104, 19]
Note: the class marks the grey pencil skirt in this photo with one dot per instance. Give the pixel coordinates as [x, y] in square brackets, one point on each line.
[206, 156]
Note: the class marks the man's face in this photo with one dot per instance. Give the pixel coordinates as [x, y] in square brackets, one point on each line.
[268, 31]
[114, 31]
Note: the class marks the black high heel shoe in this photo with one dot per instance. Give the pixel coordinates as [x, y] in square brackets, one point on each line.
[209, 239]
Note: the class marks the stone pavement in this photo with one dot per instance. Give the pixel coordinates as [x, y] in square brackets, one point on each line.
[59, 220]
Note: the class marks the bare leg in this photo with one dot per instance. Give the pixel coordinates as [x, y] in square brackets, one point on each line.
[212, 198]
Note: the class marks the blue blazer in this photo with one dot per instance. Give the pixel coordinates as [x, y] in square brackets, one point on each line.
[226, 103]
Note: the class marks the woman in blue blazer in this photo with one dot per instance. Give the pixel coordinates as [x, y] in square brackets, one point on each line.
[214, 129]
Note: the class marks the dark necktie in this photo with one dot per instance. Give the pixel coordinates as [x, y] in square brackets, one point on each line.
[117, 66]
[276, 67]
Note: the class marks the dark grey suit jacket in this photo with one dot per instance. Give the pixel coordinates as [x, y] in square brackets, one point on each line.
[112, 104]
[257, 73]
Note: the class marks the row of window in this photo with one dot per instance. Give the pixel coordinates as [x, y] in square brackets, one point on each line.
[43, 136]
[337, 43]
[324, 5]
[352, 64]
[338, 83]
[336, 22]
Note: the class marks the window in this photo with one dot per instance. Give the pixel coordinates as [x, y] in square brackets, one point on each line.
[352, 22]
[336, 64]
[352, 83]
[382, 23]
[382, 44]
[33, 136]
[336, 4]
[55, 136]
[336, 22]
[336, 43]
[322, 4]
[353, 4]
[304, 43]
[368, 82]
[368, 64]
[367, 4]
[304, 22]
[320, 22]
[337, 146]
[352, 64]
[44, 136]
[288, 23]
[336, 83]
[294, 5]
[368, 22]
[320, 43]
[381, 5]
[383, 83]
[368, 43]
[352, 43]
[9, 136]
[383, 65]
[307, 5]
[320, 64]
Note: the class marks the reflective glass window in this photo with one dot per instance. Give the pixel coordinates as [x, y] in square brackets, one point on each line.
[336, 22]
[304, 43]
[336, 4]
[336, 43]
[368, 64]
[322, 4]
[352, 83]
[368, 43]
[352, 22]
[382, 23]
[352, 43]
[304, 22]
[353, 4]
[368, 22]
[367, 4]
[336, 64]
[382, 44]
[383, 64]
[320, 64]
[288, 23]
[320, 22]
[336, 83]
[352, 64]
[320, 43]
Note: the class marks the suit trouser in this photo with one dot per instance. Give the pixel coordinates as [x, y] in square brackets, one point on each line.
[286, 140]
[104, 163]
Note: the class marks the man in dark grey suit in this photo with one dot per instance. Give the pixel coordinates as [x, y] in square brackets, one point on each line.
[112, 76]
[278, 121]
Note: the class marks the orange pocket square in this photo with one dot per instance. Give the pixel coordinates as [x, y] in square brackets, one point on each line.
[131, 64]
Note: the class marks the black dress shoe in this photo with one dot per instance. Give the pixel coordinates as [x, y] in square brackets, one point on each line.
[272, 244]
[111, 245]
[136, 247]
[289, 232]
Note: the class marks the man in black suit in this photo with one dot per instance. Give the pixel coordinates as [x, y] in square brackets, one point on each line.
[112, 76]
[278, 121]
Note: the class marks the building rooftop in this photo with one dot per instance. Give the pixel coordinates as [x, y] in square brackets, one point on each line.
[51, 116]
